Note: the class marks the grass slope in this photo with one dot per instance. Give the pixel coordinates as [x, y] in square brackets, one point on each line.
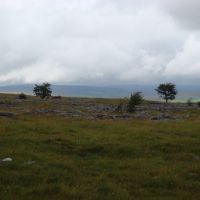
[59, 158]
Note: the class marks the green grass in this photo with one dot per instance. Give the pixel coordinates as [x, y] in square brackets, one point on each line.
[80, 159]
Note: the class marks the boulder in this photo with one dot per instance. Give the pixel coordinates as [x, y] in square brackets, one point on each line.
[7, 159]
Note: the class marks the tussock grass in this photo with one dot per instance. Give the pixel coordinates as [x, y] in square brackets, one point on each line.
[57, 157]
[82, 159]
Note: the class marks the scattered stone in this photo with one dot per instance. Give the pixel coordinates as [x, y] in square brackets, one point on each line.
[121, 117]
[56, 97]
[155, 118]
[95, 110]
[122, 107]
[100, 116]
[6, 114]
[196, 157]
[7, 160]
[163, 117]
[29, 162]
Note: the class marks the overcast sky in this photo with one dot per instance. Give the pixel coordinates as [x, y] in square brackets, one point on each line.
[99, 42]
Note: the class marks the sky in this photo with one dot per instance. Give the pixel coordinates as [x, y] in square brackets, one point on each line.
[99, 42]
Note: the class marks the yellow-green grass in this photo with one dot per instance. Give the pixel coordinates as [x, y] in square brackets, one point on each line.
[59, 158]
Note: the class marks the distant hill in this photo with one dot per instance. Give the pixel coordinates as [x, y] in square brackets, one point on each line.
[184, 91]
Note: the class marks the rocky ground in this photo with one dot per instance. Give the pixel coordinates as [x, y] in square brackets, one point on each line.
[94, 109]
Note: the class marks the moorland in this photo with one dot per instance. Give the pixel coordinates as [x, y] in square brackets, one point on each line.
[83, 148]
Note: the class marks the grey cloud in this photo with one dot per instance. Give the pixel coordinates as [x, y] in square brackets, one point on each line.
[186, 63]
[95, 42]
[185, 12]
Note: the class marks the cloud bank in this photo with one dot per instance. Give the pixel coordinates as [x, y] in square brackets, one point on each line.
[99, 42]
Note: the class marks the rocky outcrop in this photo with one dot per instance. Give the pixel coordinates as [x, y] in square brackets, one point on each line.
[7, 114]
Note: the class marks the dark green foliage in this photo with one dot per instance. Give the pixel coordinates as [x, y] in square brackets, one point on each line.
[189, 102]
[22, 96]
[198, 103]
[167, 91]
[135, 100]
[43, 90]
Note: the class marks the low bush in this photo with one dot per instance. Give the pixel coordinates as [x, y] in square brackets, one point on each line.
[189, 102]
[22, 96]
[135, 100]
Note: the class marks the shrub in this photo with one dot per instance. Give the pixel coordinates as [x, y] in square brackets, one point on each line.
[189, 102]
[135, 100]
[22, 96]
[198, 103]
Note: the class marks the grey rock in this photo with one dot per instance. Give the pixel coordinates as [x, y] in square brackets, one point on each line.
[29, 162]
[163, 117]
[6, 114]
[7, 159]
[196, 157]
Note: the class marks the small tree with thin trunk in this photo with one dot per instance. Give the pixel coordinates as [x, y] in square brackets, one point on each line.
[43, 90]
[167, 91]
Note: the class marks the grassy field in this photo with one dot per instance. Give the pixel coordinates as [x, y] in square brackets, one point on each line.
[57, 157]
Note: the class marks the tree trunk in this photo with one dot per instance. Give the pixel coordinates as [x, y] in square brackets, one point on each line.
[166, 99]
